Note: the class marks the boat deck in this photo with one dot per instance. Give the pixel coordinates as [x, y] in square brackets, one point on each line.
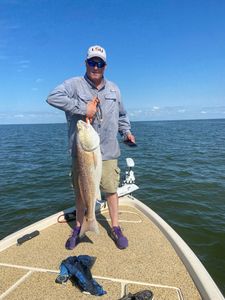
[29, 271]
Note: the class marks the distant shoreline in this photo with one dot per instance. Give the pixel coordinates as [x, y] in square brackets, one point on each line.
[132, 121]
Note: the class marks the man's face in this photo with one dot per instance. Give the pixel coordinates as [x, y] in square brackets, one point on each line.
[95, 73]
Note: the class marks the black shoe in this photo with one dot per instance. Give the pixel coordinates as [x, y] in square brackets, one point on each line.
[143, 295]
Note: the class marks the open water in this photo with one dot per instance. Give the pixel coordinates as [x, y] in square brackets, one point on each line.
[180, 169]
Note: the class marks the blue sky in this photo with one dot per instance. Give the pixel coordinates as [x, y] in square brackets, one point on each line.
[167, 57]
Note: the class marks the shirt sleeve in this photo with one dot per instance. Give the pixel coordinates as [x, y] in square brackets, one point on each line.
[124, 122]
[64, 98]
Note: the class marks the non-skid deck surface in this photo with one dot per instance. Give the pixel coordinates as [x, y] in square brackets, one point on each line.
[29, 271]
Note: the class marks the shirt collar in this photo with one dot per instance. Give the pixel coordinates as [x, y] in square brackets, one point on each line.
[102, 85]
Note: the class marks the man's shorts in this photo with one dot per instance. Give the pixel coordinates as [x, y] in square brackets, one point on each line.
[110, 176]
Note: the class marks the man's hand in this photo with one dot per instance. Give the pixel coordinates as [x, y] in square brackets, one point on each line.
[130, 140]
[92, 108]
[130, 137]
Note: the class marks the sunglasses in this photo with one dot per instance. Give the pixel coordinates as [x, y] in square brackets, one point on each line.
[99, 64]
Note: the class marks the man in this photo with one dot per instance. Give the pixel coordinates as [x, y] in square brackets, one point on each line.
[98, 99]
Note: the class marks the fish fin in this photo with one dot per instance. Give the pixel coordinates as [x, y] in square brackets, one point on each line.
[89, 225]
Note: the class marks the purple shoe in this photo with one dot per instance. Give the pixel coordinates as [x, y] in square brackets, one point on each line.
[119, 239]
[73, 239]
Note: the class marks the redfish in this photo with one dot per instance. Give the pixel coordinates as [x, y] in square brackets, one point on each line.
[89, 162]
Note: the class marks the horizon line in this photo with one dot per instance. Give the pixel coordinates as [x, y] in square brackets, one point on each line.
[132, 121]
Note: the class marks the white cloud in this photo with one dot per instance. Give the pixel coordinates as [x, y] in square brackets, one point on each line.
[22, 65]
[2, 115]
[33, 117]
[177, 113]
[19, 116]
[52, 115]
[155, 108]
[38, 80]
[24, 62]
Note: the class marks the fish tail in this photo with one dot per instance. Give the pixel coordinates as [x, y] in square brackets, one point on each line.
[89, 225]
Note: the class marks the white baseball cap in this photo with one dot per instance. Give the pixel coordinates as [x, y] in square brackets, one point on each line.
[96, 51]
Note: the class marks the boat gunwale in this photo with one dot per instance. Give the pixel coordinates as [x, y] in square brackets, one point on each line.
[202, 279]
[11, 239]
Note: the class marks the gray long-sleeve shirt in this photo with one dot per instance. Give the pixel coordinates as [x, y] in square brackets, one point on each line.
[72, 97]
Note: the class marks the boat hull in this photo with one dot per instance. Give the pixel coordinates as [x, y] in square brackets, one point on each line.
[157, 257]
